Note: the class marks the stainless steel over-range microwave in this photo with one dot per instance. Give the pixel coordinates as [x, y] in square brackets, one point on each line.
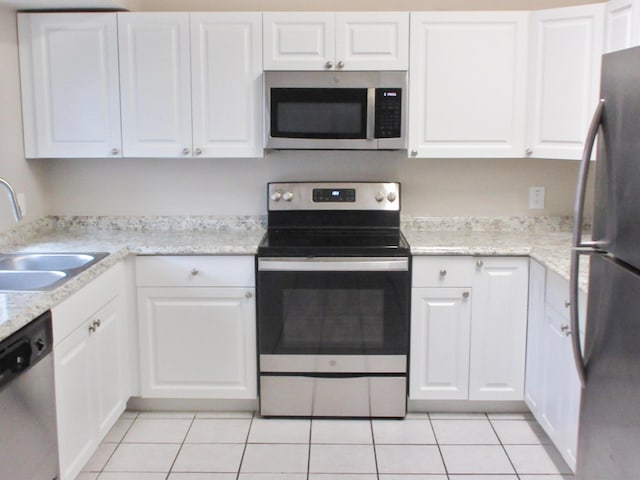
[336, 110]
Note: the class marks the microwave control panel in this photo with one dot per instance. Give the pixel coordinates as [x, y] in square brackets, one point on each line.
[388, 120]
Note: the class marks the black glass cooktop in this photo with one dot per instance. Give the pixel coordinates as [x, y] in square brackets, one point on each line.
[333, 242]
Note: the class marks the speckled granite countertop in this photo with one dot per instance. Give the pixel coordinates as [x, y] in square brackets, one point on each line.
[545, 239]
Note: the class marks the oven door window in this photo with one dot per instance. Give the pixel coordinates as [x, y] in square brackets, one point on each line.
[348, 313]
[319, 113]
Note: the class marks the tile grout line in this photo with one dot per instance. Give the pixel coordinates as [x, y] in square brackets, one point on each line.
[118, 443]
[193, 419]
[433, 430]
[309, 451]
[515, 471]
[375, 452]
[246, 442]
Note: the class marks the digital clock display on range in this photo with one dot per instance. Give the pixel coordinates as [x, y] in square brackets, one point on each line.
[334, 195]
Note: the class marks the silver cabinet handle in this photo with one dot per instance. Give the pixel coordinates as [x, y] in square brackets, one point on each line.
[248, 295]
[528, 152]
[443, 273]
[340, 64]
[198, 151]
[465, 295]
[567, 304]
[328, 65]
[564, 328]
[115, 151]
[186, 151]
[97, 323]
[479, 263]
[414, 153]
[92, 329]
[195, 272]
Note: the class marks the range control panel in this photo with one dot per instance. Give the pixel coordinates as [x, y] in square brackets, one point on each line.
[334, 196]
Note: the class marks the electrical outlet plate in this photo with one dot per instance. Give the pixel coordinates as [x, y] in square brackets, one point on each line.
[536, 198]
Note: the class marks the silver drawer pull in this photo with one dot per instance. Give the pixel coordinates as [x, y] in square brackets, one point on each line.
[97, 323]
[479, 263]
[443, 273]
[564, 328]
[248, 295]
[465, 295]
[195, 272]
[567, 304]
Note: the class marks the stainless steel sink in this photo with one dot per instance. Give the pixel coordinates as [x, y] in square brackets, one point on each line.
[27, 280]
[42, 271]
[48, 261]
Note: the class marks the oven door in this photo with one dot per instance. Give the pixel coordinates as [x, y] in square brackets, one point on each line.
[341, 315]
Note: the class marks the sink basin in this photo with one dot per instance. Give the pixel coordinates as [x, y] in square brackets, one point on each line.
[25, 280]
[42, 271]
[47, 261]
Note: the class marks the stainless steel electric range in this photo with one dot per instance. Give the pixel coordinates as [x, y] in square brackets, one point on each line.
[333, 296]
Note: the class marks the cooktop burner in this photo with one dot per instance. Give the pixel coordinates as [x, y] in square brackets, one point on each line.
[308, 242]
[314, 219]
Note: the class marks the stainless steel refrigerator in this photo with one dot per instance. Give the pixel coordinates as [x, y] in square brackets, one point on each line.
[609, 362]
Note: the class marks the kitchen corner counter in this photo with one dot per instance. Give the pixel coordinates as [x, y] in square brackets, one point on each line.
[547, 240]
[120, 237]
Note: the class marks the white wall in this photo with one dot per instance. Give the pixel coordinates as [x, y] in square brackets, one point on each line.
[28, 177]
[237, 186]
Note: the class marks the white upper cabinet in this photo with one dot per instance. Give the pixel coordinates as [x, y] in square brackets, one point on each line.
[70, 84]
[566, 46]
[226, 66]
[468, 84]
[191, 84]
[621, 25]
[336, 41]
[155, 79]
[372, 41]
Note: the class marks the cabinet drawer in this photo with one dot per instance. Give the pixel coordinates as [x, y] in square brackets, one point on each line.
[557, 297]
[195, 271]
[443, 271]
[74, 311]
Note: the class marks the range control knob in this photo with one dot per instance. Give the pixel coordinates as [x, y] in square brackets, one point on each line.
[287, 196]
[380, 196]
[276, 196]
[391, 196]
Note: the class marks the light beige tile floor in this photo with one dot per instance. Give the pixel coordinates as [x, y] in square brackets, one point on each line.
[243, 446]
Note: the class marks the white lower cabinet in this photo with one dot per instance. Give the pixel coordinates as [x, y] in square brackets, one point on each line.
[441, 325]
[552, 388]
[197, 327]
[468, 328]
[90, 379]
[499, 328]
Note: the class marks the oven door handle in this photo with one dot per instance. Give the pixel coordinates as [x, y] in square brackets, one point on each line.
[333, 264]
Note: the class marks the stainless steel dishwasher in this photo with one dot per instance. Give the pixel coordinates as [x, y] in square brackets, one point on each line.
[28, 440]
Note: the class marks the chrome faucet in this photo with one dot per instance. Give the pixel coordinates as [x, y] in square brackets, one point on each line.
[17, 213]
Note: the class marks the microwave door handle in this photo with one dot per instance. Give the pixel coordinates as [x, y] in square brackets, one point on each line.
[371, 113]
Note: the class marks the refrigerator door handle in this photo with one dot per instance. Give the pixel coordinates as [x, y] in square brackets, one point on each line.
[574, 315]
[584, 175]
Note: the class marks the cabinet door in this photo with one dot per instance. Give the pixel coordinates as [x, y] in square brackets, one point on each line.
[75, 406]
[70, 84]
[372, 41]
[468, 78]
[534, 378]
[440, 329]
[299, 41]
[621, 28]
[107, 366]
[197, 342]
[499, 329]
[155, 78]
[226, 62]
[566, 46]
